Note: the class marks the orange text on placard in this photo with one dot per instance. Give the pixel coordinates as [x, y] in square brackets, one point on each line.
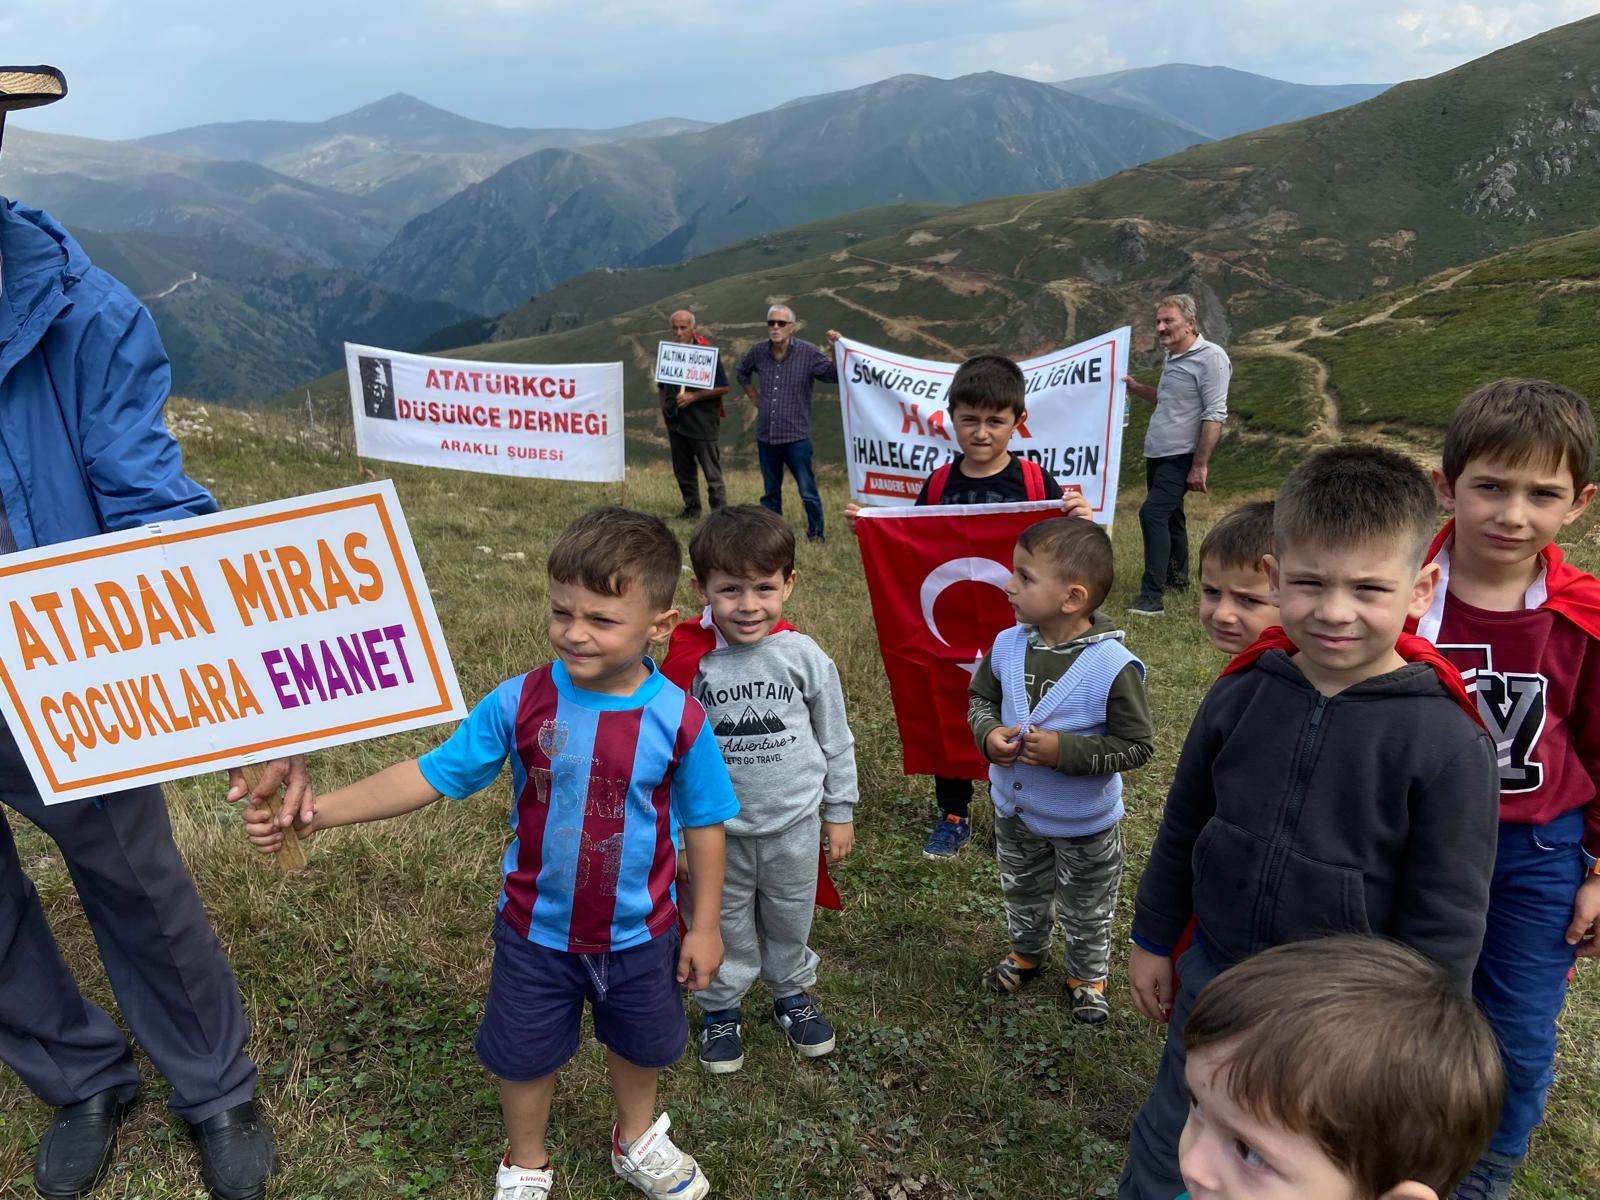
[285, 582]
[106, 618]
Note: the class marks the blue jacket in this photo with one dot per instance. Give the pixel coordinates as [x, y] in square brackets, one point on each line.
[83, 379]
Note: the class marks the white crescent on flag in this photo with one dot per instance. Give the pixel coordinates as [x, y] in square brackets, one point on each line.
[959, 570]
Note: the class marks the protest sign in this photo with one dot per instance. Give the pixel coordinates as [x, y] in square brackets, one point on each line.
[686, 365]
[191, 646]
[549, 422]
[897, 429]
[936, 577]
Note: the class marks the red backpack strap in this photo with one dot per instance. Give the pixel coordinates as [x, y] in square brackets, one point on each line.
[1032, 479]
[936, 482]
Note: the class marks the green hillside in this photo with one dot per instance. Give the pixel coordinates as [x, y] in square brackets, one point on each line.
[608, 291]
[1293, 219]
[1395, 366]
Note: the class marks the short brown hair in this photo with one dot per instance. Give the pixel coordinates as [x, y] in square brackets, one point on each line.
[609, 549]
[1365, 1047]
[744, 540]
[1518, 421]
[1355, 496]
[990, 382]
[1242, 538]
[1077, 550]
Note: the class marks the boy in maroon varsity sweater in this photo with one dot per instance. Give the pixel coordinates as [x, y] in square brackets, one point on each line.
[987, 401]
[1524, 629]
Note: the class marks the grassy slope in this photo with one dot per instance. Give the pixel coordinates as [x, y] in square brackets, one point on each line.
[605, 293]
[1530, 312]
[364, 977]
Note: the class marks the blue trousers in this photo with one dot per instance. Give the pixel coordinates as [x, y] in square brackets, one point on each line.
[167, 970]
[1521, 978]
[1151, 1171]
[775, 456]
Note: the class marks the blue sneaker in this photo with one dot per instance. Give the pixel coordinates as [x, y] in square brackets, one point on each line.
[809, 1034]
[721, 1046]
[948, 837]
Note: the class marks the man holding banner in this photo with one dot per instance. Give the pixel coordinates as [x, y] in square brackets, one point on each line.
[693, 417]
[83, 381]
[789, 368]
[1191, 402]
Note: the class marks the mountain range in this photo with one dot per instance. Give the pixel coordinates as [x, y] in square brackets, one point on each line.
[1294, 219]
[238, 224]
[1217, 102]
[557, 213]
[400, 153]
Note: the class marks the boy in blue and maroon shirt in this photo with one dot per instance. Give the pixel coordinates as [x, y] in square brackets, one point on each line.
[1523, 628]
[608, 761]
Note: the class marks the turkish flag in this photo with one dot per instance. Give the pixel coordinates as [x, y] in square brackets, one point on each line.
[937, 578]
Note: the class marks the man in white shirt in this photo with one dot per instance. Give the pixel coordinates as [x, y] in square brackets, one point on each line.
[1191, 406]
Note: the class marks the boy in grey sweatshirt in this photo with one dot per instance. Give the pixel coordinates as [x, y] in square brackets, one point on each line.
[774, 703]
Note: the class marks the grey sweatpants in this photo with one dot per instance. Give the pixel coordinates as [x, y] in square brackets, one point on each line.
[1074, 878]
[769, 896]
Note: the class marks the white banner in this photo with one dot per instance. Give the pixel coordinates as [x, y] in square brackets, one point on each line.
[191, 646]
[897, 430]
[549, 422]
[686, 365]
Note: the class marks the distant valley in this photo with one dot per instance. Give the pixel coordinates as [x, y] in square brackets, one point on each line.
[260, 244]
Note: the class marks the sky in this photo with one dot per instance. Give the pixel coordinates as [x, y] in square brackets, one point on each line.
[137, 69]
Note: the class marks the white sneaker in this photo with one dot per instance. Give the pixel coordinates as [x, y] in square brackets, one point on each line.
[519, 1183]
[658, 1168]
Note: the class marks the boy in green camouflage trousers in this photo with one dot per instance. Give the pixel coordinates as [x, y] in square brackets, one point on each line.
[1058, 708]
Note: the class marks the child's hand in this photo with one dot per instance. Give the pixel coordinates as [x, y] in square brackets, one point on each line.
[1073, 504]
[1150, 981]
[1584, 932]
[700, 956]
[851, 512]
[265, 834]
[1041, 748]
[1003, 745]
[841, 839]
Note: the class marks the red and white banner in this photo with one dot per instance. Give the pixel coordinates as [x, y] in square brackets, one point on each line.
[896, 419]
[937, 580]
[548, 422]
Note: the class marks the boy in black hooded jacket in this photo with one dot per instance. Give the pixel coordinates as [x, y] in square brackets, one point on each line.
[1335, 779]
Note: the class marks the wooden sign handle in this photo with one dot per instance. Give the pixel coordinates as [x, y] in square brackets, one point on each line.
[290, 857]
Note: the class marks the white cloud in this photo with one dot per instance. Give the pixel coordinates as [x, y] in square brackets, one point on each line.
[1036, 70]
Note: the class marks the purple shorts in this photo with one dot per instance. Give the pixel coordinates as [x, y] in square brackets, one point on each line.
[535, 1006]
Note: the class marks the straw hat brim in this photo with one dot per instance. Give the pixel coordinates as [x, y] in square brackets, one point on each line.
[30, 87]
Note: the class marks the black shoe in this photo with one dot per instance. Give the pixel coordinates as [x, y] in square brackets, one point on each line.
[816, 539]
[76, 1151]
[689, 514]
[237, 1153]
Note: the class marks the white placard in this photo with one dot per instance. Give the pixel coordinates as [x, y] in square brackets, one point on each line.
[897, 431]
[191, 646]
[549, 422]
[686, 365]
